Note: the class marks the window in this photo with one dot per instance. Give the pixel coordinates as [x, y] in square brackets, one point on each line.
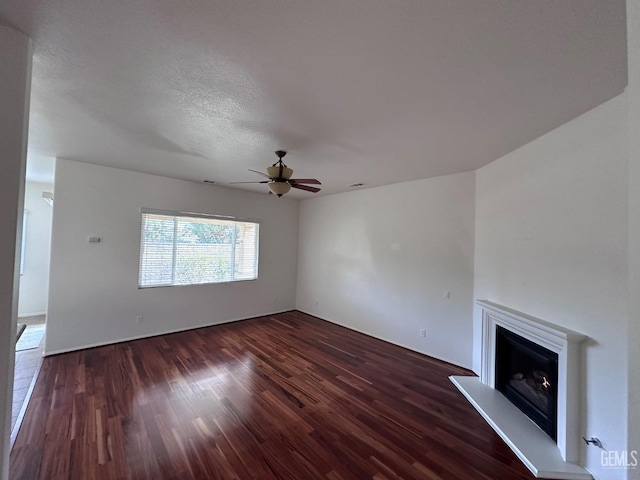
[23, 243]
[188, 249]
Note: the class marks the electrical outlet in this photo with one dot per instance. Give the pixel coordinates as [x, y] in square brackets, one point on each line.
[423, 332]
[446, 295]
[139, 319]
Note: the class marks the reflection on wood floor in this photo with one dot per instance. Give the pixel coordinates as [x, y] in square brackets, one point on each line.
[286, 396]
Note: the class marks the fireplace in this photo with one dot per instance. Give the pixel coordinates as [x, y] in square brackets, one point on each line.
[538, 364]
[527, 374]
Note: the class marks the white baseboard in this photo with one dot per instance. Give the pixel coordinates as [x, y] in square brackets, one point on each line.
[35, 314]
[393, 342]
[157, 334]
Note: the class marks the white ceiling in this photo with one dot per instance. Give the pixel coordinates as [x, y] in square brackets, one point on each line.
[372, 91]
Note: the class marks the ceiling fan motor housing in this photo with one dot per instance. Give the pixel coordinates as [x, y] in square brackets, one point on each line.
[279, 172]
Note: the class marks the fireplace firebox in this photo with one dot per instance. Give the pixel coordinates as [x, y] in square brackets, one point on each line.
[527, 374]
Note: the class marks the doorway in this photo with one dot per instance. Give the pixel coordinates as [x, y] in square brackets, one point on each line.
[33, 293]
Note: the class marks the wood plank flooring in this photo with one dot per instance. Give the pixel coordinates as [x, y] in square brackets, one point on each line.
[287, 396]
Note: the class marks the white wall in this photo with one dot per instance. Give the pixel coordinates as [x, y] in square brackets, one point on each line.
[34, 282]
[94, 297]
[15, 78]
[633, 93]
[551, 241]
[379, 261]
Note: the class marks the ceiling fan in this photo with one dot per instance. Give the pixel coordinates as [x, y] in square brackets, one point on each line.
[280, 181]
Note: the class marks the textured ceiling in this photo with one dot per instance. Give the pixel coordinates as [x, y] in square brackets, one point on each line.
[372, 91]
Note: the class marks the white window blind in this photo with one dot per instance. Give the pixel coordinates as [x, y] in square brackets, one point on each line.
[188, 249]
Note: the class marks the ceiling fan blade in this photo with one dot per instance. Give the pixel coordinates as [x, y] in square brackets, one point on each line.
[312, 181]
[256, 171]
[263, 181]
[305, 187]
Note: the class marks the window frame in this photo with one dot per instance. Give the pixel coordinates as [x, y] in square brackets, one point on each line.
[208, 216]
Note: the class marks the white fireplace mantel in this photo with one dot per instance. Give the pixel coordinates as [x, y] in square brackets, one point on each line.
[536, 449]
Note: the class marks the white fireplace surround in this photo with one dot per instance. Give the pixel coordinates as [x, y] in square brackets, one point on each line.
[564, 342]
[534, 447]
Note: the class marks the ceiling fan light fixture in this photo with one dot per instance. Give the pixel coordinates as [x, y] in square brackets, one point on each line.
[279, 188]
[278, 177]
[274, 172]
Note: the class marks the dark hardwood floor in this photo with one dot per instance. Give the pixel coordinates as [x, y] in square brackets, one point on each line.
[287, 396]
